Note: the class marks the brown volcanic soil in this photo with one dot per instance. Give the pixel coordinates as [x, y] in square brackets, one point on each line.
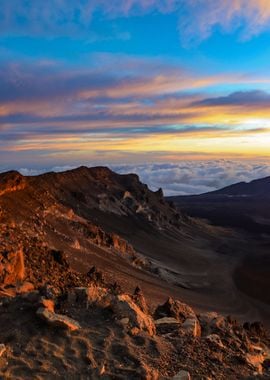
[245, 209]
[95, 216]
[104, 348]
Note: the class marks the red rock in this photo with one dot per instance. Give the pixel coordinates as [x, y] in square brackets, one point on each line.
[174, 309]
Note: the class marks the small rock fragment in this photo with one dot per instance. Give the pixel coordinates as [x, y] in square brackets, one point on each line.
[182, 375]
[57, 320]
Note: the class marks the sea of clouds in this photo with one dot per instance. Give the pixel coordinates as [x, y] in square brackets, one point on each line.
[186, 177]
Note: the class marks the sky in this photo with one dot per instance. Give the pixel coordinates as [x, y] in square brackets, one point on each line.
[179, 87]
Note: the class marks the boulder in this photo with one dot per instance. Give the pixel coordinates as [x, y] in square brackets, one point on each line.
[124, 307]
[57, 320]
[175, 309]
[192, 326]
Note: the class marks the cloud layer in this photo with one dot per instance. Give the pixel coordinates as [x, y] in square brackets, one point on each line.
[191, 177]
[137, 106]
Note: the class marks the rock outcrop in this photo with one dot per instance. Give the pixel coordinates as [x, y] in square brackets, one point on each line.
[125, 308]
[176, 309]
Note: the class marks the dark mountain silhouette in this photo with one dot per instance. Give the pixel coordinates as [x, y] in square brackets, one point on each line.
[256, 188]
[241, 205]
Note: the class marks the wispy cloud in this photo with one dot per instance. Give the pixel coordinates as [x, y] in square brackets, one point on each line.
[144, 106]
[197, 18]
[200, 17]
[255, 98]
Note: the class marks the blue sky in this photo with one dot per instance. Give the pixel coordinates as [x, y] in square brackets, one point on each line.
[87, 81]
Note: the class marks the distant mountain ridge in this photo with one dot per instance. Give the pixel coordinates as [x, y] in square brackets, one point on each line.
[258, 187]
[242, 205]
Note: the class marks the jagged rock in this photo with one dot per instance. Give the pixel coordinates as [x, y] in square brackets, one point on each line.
[124, 307]
[215, 340]
[192, 326]
[182, 375]
[139, 299]
[175, 309]
[57, 320]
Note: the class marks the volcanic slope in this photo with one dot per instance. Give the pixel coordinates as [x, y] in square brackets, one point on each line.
[114, 222]
[243, 207]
